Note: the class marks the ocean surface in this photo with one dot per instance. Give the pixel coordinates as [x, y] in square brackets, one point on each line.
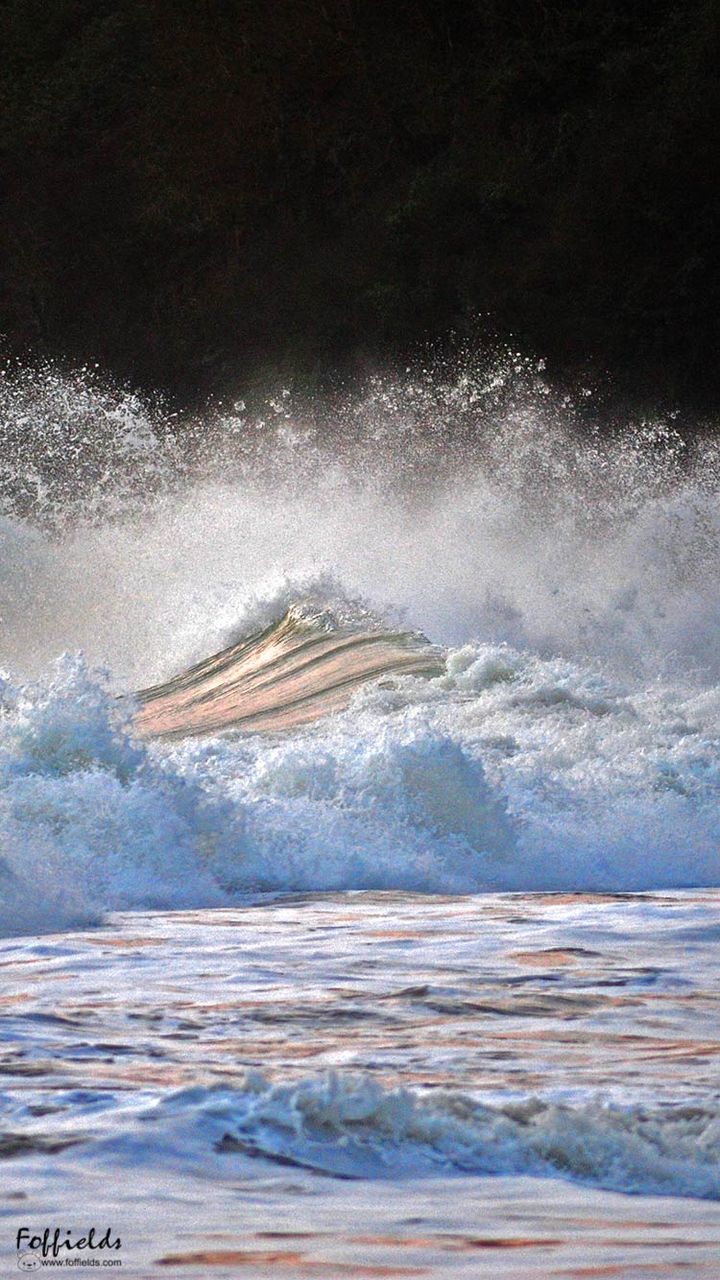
[428, 984]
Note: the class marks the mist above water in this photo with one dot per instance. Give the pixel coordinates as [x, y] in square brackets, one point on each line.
[471, 506]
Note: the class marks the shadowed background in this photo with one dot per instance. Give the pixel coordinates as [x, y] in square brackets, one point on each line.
[204, 194]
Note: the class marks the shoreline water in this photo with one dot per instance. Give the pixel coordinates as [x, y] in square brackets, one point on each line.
[473, 1043]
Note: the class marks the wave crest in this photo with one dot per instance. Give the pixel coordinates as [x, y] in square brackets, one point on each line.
[351, 1126]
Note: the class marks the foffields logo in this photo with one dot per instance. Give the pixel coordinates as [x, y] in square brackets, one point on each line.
[55, 1247]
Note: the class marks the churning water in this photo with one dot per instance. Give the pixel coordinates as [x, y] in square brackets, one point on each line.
[482, 899]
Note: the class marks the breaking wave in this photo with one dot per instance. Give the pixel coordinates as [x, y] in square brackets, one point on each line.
[350, 1126]
[561, 732]
[506, 771]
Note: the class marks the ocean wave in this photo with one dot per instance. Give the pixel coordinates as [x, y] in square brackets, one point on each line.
[565, 733]
[351, 1126]
[507, 771]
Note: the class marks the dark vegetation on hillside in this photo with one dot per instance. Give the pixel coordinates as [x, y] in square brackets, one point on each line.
[198, 193]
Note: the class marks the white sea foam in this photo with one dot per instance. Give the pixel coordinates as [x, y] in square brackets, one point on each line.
[508, 772]
[87, 821]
